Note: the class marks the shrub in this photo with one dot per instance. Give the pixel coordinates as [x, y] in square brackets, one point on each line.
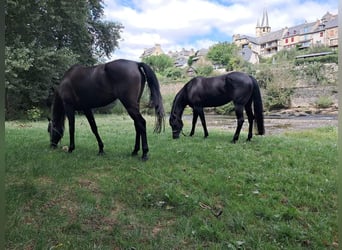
[34, 114]
[226, 109]
[277, 80]
[278, 98]
[332, 58]
[313, 73]
[173, 73]
[204, 70]
[324, 102]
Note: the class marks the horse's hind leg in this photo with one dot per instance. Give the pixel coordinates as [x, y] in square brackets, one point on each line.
[137, 140]
[240, 120]
[92, 123]
[250, 116]
[140, 129]
[204, 124]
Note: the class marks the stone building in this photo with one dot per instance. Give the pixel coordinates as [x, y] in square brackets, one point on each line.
[156, 50]
[266, 42]
[180, 58]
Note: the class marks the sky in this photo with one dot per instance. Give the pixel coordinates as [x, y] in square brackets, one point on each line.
[196, 24]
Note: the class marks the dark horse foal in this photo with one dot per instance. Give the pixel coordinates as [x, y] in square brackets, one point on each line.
[201, 92]
[85, 88]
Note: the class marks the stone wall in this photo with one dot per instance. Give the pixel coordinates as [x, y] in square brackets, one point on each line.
[326, 74]
[307, 96]
[308, 91]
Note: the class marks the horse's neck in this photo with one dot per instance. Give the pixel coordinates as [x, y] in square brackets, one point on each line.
[180, 104]
[58, 113]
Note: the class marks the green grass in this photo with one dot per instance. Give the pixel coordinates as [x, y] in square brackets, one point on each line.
[276, 192]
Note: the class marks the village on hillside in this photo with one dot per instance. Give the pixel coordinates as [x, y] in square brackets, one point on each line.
[323, 32]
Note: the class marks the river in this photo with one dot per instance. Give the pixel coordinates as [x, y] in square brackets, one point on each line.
[273, 124]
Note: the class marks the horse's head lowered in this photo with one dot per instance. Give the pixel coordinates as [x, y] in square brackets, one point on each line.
[56, 133]
[176, 125]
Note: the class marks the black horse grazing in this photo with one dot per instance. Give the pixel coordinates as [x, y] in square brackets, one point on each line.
[201, 92]
[84, 88]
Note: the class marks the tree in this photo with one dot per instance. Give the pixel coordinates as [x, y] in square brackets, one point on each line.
[159, 63]
[224, 55]
[44, 38]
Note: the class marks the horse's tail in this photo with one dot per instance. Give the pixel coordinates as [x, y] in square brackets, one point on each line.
[258, 107]
[156, 99]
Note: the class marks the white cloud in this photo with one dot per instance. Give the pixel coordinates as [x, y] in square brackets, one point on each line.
[177, 24]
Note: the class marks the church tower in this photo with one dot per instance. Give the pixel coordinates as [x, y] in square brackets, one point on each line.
[264, 28]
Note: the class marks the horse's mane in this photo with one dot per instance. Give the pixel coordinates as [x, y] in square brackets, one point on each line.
[178, 104]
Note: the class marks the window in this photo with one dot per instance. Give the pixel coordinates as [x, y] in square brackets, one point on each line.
[292, 39]
[321, 34]
[286, 40]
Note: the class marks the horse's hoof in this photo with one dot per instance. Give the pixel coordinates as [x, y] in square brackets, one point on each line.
[144, 158]
[101, 153]
[134, 153]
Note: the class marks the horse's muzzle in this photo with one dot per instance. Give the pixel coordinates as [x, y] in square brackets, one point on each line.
[175, 135]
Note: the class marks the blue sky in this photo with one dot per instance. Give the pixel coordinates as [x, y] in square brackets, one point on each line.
[177, 24]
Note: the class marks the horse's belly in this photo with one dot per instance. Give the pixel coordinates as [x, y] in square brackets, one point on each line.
[212, 101]
[94, 102]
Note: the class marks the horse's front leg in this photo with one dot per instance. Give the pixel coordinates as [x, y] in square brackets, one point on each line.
[194, 121]
[240, 120]
[70, 113]
[90, 117]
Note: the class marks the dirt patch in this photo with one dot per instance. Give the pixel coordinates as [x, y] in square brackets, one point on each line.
[168, 89]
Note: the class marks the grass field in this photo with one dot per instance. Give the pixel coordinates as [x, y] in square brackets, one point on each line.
[276, 192]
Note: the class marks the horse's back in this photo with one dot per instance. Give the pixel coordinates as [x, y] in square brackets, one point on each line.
[99, 85]
[219, 90]
[122, 69]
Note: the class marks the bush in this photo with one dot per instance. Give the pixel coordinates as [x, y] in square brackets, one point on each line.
[324, 102]
[226, 109]
[204, 70]
[34, 114]
[173, 73]
[332, 58]
[312, 73]
[278, 98]
[278, 81]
